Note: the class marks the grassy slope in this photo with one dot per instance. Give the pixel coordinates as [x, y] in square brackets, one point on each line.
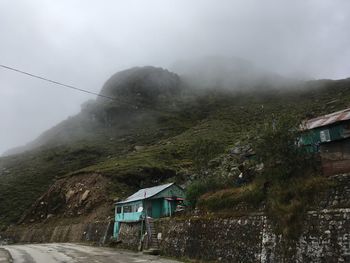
[167, 140]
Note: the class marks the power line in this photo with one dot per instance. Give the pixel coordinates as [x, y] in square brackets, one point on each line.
[74, 88]
[56, 82]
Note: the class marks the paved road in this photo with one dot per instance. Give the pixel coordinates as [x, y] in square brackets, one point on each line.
[74, 253]
[4, 256]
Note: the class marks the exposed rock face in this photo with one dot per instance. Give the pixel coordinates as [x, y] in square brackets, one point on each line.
[82, 195]
[142, 84]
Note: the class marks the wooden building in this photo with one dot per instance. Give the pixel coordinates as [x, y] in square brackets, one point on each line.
[155, 202]
[330, 136]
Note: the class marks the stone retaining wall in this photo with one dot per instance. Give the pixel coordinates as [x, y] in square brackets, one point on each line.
[130, 235]
[93, 232]
[325, 238]
[325, 234]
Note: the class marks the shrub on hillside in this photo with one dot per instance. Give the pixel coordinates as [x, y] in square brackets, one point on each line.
[291, 175]
[203, 150]
[277, 147]
[205, 185]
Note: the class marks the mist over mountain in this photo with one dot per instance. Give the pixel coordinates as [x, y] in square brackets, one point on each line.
[231, 73]
[148, 84]
[83, 44]
[132, 92]
[128, 89]
[133, 95]
[144, 133]
[105, 98]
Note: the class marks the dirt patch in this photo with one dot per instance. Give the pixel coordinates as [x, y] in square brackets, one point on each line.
[83, 196]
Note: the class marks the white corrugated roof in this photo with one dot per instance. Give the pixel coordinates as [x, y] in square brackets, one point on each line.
[145, 193]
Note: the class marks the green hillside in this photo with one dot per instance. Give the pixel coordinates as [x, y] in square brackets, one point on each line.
[153, 142]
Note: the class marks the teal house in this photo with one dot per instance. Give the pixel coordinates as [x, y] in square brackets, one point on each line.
[327, 128]
[329, 135]
[154, 202]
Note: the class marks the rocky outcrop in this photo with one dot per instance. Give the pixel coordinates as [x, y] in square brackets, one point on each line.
[142, 84]
[74, 209]
[82, 195]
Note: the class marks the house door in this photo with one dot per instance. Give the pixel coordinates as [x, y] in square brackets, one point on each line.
[149, 209]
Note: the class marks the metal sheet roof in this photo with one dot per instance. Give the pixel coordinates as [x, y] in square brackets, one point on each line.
[145, 193]
[328, 119]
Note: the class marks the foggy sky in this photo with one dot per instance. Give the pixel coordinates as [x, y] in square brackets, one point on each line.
[81, 42]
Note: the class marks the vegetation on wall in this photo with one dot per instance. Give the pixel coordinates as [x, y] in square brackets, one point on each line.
[287, 186]
[291, 176]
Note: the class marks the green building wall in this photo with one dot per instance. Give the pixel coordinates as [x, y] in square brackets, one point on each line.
[312, 138]
[156, 207]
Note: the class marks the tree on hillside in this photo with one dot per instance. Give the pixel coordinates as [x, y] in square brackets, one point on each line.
[278, 148]
[291, 177]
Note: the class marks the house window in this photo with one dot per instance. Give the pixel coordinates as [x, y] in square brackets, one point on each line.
[127, 209]
[324, 136]
[134, 208]
[119, 209]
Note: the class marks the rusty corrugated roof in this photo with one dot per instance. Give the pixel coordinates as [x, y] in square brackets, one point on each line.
[328, 119]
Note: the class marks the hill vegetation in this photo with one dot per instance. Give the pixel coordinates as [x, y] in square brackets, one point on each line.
[161, 134]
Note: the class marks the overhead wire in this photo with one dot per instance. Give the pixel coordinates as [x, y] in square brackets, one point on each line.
[74, 88]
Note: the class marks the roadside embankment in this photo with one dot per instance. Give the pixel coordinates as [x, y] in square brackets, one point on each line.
[97, 233]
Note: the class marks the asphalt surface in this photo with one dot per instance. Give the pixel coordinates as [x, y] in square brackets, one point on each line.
[4, 256]
[72, 253]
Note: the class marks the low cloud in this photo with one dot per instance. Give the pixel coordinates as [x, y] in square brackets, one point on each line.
[84, 42]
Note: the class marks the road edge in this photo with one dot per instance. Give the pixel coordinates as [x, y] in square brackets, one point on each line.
[8, 255]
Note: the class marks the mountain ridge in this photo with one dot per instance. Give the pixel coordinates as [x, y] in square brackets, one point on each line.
[138, 147]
